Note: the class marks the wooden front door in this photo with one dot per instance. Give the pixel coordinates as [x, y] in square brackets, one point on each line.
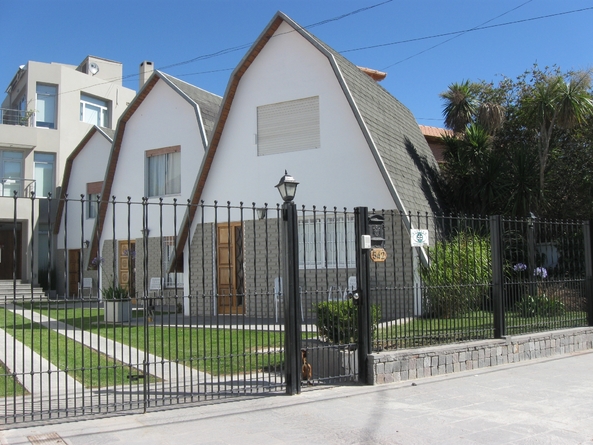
[8, 250]
[230, 273]
[73, 272]
[127, 266]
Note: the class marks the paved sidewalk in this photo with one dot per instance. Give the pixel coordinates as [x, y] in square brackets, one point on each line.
[548, 401]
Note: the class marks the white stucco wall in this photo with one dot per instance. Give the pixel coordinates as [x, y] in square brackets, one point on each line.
[88, 166]
[341, 173]
[163, 119]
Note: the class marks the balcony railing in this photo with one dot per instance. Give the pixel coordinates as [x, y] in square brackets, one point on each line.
[17, 117]
[24, 188]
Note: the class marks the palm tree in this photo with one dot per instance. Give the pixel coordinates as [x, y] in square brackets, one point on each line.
[465, 104]
[461, 105]
[553, 102]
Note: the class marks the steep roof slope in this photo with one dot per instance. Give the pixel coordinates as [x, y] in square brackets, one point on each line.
[108, 133]
[398, 146]
[209, 103]
[205, 105]
[393, 135]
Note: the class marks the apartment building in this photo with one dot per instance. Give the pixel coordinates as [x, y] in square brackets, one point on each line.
[48, 109]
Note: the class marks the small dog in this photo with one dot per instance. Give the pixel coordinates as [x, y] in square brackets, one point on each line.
[307, 369]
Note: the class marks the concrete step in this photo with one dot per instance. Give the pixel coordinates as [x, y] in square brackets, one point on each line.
[23, 291]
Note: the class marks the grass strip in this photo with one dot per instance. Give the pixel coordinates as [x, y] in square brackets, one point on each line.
[9, 385]
[216, 351]
[91, 368]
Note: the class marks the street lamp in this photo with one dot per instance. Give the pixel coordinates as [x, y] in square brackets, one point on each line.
[292, 304]
[287, 187]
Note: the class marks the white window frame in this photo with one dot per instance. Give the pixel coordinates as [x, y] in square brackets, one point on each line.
[168, 256]
[100, 106]
[318, 247]
[45, 94]
[168, 180]
[41, 158]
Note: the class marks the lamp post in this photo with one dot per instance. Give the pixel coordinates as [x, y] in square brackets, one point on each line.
[292, 307]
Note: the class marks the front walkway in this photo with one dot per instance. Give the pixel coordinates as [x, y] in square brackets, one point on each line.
[545, 401]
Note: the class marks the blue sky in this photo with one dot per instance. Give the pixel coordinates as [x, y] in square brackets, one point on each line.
[418, 69]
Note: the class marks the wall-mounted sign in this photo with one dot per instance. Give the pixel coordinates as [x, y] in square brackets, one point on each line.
[378, 255]
[419, 237]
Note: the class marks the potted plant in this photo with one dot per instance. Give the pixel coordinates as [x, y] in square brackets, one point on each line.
[116, 304]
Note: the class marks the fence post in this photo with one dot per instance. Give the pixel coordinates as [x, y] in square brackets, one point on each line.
[497, 276]
[587, 227]
[292, 304]
[364, 292]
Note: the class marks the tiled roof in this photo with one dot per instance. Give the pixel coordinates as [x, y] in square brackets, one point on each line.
[435, 131]
[393, 135]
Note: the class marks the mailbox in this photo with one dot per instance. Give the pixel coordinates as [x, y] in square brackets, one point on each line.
[377, 229]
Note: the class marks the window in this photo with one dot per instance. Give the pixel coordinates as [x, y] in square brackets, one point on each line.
[44, 173]
[93, 191]
[172, 279]
[327, 242]
[11, 172]
[288, 126]
[45, 109]
[164, 171]
[94, 110]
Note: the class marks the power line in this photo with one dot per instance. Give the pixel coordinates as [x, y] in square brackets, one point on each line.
[480, 28]
[458, 35]
[236, 48]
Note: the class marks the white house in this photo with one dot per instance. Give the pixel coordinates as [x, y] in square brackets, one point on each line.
[77, 210]
[158, 147]
[295, 104]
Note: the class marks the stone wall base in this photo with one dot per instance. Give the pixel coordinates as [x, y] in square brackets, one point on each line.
[409, 364]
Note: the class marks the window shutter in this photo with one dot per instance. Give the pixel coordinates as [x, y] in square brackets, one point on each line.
[288, 126]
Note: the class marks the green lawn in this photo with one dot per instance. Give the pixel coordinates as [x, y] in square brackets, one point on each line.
[471, 326]
[87, 366]
[9, 386]
[217, 351]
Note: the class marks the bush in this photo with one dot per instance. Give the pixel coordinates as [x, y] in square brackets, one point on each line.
[458, 277]
[338, 320]
[541, 306]
[115, 292]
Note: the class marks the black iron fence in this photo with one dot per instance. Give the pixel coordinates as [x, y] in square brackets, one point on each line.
[166, 303]
[479, 278]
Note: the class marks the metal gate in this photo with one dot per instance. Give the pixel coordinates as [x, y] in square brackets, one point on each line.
[188, 305]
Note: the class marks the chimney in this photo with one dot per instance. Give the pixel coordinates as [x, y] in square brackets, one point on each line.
[146, 70]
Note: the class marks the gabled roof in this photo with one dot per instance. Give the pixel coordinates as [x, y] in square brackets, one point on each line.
[393, 136]
[205, 105]
[108, 134]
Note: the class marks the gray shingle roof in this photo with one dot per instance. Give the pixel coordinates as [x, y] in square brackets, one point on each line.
[393, 135]
[209, 103]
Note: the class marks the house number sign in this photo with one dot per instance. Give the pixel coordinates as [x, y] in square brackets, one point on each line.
[378, 255]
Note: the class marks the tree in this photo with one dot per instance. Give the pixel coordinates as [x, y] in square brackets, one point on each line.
[534, 132]
[460, 105]
[468, 102]
[551, 102]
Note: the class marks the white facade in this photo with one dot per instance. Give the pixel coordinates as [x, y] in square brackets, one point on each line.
[341, 172]
[87, 169]
[163, 120]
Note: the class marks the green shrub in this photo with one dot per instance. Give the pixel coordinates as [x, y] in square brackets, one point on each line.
[541, 306]
[458, 277]
[115, 292]
[338, 320]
